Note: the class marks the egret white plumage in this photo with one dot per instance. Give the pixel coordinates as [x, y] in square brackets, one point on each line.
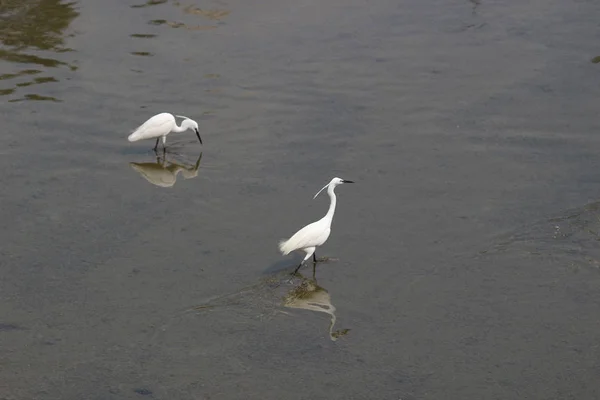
[161, 125]
[313, 235]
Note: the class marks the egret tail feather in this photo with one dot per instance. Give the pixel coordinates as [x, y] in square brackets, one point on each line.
[284, 248]
[134, 137]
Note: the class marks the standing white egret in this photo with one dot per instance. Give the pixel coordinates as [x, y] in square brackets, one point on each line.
[160, 126]
[313, 235]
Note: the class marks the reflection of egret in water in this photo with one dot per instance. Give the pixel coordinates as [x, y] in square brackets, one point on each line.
[164, 173]
[33, 25]
[265, 298]
[308, 295]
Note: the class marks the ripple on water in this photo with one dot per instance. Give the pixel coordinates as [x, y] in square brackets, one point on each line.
[572, 238]
[142, 35]
[213, 15]
[142, 53]
[272, 295]
[34, 34]
[149, 3]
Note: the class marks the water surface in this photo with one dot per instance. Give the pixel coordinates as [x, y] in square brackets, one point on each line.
[467, 249]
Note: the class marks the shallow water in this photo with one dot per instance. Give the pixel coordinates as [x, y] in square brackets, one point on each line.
[467, 262]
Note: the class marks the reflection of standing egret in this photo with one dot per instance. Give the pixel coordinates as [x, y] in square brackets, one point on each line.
[163, 173]
[308, 295]
[160, 126]
[269, 292]
[313, 235]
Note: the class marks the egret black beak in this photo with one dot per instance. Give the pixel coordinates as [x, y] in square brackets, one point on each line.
[198, 134]
[345, 181]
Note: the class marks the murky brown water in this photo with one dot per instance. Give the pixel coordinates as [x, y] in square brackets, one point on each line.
[468, 263]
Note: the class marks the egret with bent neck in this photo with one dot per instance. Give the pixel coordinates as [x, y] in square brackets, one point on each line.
[313, 235]
[161, 125]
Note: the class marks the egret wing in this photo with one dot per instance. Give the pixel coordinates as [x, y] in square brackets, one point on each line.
[159, 125]
[311, 235]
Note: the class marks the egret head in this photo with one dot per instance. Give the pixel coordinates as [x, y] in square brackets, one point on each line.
[334, 182]
[190, 124]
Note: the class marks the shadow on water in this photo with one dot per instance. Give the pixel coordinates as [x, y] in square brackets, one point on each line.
[33, 26]
[278, 290]
[163, 173]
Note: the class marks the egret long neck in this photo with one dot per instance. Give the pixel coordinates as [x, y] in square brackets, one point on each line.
[184, 126]
[331, 211]
[181, 128]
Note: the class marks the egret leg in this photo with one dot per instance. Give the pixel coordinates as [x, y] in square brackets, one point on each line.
[309, 252]
[315, 257]
[164, 142]
[156, 145]
[298, 267]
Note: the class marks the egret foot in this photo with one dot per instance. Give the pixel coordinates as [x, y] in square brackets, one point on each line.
[292, 276]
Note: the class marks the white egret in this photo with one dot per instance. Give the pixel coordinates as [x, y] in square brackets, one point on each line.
[160, 126]
[313, 235]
